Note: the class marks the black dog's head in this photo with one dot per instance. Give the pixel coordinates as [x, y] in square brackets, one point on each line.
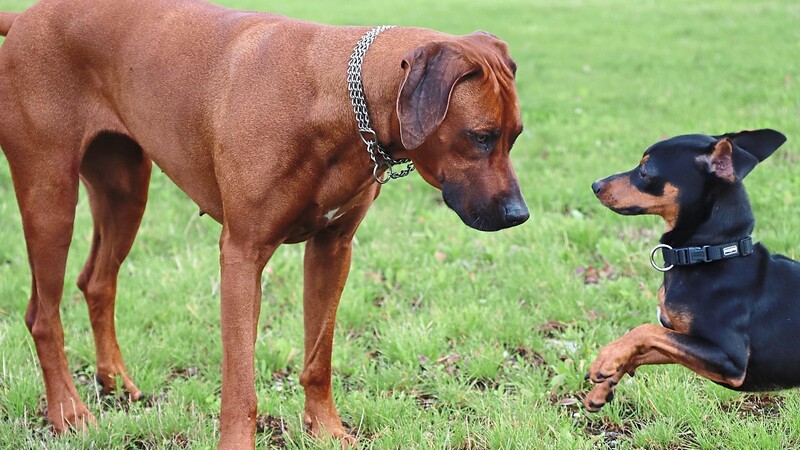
[680, 177]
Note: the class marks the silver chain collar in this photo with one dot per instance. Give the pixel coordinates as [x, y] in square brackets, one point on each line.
[377, 153]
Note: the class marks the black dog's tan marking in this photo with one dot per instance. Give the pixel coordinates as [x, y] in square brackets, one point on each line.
[730, 320]
[622, 196]
[670, 317]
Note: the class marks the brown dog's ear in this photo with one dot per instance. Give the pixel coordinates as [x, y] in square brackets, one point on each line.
[431, 72]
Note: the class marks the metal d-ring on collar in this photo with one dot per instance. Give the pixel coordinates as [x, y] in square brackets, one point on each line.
[355, 86]
[653, 258]
[694, 255]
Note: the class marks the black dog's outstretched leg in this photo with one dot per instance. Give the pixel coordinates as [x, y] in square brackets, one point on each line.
[603, 393]
[652, 344]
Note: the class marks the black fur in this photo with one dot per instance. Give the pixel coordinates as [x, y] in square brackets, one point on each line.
[744, 312]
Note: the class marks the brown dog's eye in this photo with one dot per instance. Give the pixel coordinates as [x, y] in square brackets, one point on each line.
[484, 141]
[483, 137]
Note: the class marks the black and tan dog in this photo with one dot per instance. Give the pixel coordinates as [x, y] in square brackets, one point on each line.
[730, 310]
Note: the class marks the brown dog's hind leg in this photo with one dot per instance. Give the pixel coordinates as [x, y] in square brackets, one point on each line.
[47, 192]
[116, 175]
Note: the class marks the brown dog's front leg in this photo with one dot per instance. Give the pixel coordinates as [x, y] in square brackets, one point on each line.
[327, 263]
[241, 264]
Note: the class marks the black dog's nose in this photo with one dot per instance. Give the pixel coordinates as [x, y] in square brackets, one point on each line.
[516, 213]
[596, 186]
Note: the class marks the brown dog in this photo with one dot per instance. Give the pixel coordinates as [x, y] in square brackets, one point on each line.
[249, 114]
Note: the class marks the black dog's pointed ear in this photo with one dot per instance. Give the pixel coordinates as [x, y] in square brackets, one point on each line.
[750, 148]
[720, 161]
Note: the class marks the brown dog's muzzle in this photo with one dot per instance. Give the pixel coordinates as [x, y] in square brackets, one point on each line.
[486, 213]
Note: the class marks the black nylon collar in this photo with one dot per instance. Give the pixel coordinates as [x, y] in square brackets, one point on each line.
[707, 253]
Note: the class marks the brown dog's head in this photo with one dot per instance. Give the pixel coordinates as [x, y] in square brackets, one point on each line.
[459, 113]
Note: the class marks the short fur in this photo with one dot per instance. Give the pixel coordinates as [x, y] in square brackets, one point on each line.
[249, 114]
[732, 321]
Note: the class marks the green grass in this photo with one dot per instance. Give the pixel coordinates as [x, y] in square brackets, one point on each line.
[448, 337]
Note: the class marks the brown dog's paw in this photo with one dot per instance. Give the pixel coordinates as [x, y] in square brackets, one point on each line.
[349, 442]
[75, 417]
[330, 426]
[108, 386]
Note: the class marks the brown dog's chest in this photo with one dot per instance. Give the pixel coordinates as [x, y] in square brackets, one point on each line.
[320, 215]
[314, 223]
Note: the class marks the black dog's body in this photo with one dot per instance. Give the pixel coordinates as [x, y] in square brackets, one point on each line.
[735, 320]
[747, 310]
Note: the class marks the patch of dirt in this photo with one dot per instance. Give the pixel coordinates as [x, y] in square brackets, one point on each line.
[151, 401]
[484, 384]
[183, 373]
[375, 355]
[449, 363]
[178, 440]
[755, 405]
[425, 400]
[610, 432]
[551, 327]
[83, 376]
[278, 432]
[522, 354]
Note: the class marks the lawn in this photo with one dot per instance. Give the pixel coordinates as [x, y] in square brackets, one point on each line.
[448, 337]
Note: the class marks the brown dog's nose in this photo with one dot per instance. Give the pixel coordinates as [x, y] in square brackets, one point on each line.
[516, 212]
[597, 186]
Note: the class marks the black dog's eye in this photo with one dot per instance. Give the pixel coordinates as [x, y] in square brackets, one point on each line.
[642, 172]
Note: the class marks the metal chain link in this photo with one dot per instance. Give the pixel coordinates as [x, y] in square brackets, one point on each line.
[355, 86]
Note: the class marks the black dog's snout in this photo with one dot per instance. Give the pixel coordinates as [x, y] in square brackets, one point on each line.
[597, 186]
[516, 213]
